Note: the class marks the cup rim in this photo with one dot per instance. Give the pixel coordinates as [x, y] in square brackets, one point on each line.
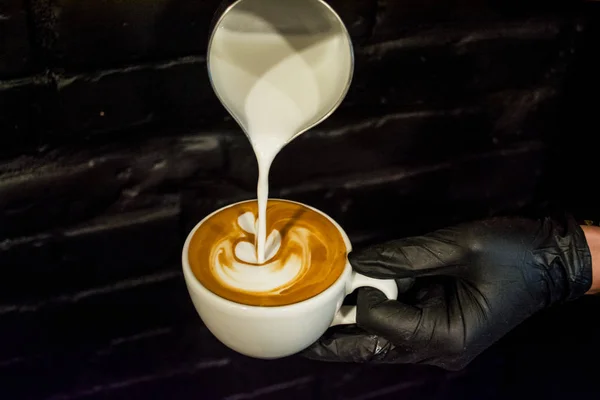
[196, 285]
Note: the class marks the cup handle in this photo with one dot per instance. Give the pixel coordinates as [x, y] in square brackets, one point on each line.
[347, 314]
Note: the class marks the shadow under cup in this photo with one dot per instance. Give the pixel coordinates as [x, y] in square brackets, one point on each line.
[269, 332]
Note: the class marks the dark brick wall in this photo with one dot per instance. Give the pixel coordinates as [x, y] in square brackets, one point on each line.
[112, 146]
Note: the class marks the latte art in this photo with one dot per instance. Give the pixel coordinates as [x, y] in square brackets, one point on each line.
[239, 268]
[304, 254]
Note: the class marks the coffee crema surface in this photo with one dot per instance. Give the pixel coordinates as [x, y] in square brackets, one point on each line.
[305, 254]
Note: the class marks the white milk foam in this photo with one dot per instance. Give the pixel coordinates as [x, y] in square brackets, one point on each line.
[276, 86]
[244, 273]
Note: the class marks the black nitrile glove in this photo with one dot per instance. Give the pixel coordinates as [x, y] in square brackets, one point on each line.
[473, 283]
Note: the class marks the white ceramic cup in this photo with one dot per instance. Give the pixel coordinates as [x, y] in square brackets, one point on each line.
[278, 331]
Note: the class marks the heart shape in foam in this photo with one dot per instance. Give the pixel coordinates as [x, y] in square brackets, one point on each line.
[244, 273]
[246, 251]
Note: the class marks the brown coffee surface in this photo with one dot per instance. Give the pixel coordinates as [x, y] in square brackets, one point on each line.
[310, 244]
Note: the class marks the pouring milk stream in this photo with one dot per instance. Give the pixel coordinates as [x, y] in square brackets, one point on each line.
[280, 68]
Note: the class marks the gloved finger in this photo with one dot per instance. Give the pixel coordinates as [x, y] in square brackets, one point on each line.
[404, 285]
[352, 344]
[417, 331]
[434, 254]
[363, 347]
[391, 319]
[388, 331]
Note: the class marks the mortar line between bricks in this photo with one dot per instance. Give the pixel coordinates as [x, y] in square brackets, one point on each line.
[140, 336]
[74, 298]
[389, 178]
[522, 148]
[365, 180]
[11, 361]
[271, 389]
[135, 217]
[66, 79]
[190, 370]
[113, 344]
[41, 79]
[376, 122]
[461, 36]
[387, 390]
[114, 221]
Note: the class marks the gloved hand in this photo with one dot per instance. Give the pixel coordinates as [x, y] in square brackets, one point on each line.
[472, 284]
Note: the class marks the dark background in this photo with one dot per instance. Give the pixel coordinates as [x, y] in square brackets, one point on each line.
[113, 145]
